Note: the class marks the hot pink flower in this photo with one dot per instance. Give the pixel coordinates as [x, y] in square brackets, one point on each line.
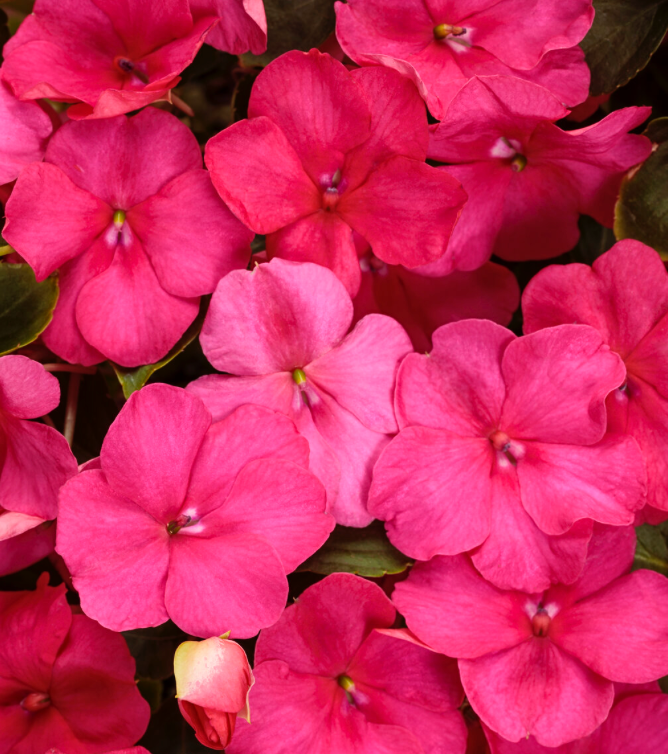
[544, 663]
[35, 460]
[527, 180]
[132, 750]
[110, 56]
[281, 334]
[625, 297]
[124, 207]
[502, 451]
[333, 676]
[327, 152]
[189, 520]
[442, 45]
[421, 304]
[242, 27]
[65, 681]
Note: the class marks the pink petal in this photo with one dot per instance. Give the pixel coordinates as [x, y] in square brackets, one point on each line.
[144, 458]
[259, 175]
[535, 688]
[635, 725]
[271, 319]
[27, 390]
[323, 630]
[50, 220]
[14, 524]
[451, 607]
[30, 547]
[242, 27]
[117, 553]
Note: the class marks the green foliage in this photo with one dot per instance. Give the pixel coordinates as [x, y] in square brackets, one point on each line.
[26, 306]
[154, 648]
[623, 38]
[651, 548]
[366, 552]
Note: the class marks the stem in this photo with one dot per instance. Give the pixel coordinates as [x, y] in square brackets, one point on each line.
[73, 368]
[71, 410]
[5, 251]
[48, 421]
[183, 106]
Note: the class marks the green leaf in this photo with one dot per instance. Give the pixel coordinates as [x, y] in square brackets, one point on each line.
[366, 552]
[624, 36]
[642, 207]
[26, 306]
[294, 25]
[154, 648]
[651, 548]
[151, 690]
[134, 379]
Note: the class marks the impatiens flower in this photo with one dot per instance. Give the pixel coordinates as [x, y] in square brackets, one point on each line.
[334, 677]
[126, 211]
[502, 451]
[189, 520]
[213, 679]
[131, 750]
[24, 131]
[543, 664]
[35, 461]
[527, 180]
[636, 725]
[65, 682]
[328, 155]
[109, 56]
[625, 297]
[421, 304]
[242, 27]
[281, 334]
[441, 45]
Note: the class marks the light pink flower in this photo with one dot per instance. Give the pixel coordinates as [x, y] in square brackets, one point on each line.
[527, 180]
[125, 210]
[109, 56]
[65, 681]
[544, 663]
[281, 334]
[502, 452]
[625, 297]
[242, 27]
[333, 676]
[442, 44]
[189, 520]
[327, 153]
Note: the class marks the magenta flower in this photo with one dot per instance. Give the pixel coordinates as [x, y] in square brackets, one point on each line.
[328, 154]
[442, 45]
[544, 663]
[527, 180]
[189, 520]
[625, 297]
[281, 334]
[334, 676]
[242, 27]
[502, 451]
[65, 682]
[109, 56]
[131, 750]
[126, 211]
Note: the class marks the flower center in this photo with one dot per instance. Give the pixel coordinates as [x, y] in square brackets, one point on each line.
[125, 65]
[175, 526]
[299, 376]
[518, 163]
[502, 444]
[446, 30]
[540, 623]
[330, 196]
[36, 701]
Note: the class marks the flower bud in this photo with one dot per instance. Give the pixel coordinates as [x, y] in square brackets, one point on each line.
[213, 678]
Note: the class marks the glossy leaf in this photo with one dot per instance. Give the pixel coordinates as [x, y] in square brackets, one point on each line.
[26, 306]
[651, 548]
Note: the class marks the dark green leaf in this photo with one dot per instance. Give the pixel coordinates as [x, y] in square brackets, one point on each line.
[595, 239]
[26, 306]
[294, 25]
[169, 733]
[657, 130]
[651, 548]
[151, 691]
[366, 552]
[624, 36]
[154, 648]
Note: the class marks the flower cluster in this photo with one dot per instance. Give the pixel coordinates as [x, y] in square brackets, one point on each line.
[347, 254]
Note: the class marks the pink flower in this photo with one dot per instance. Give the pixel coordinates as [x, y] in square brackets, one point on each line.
[109, 56]
[281, 334]
[527, 180]
[421, 304]
[213, 679]
[502, 451]
[333, 676]
[35, 461]
[544, 663]
[242, 27]
[442, 45]
[189, 520]
[625, 297]
[131, 750]
[65, 681]
[327, 155]
[126, 211]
